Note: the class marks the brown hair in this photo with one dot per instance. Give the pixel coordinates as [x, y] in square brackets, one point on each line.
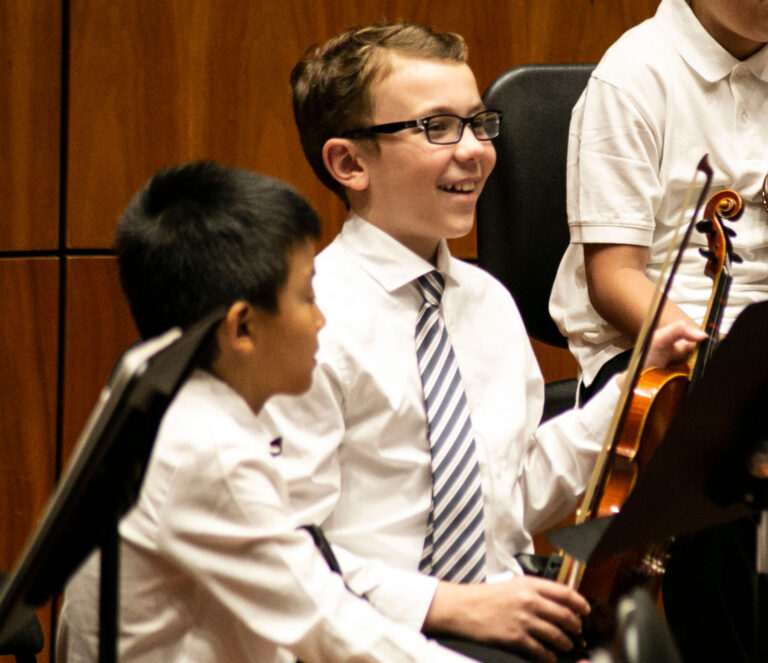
[331, 84]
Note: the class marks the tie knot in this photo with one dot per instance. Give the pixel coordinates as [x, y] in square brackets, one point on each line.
[431, 286]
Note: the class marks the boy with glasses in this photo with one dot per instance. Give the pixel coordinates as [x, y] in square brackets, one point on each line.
[418, 444]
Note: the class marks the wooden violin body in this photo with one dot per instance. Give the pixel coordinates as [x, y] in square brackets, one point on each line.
[646, 416]
[653, 405]
[654, 402]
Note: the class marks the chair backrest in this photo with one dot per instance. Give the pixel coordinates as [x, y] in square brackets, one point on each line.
[522, 228]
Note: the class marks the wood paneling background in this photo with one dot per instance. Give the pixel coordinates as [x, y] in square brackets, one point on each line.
[29, 333]
[30, 110]
[153, 83]
[98, 327]
[140, 84]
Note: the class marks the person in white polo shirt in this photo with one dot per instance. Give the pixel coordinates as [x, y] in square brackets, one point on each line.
[691, 80]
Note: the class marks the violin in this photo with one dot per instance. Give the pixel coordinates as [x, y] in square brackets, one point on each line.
[649, 403]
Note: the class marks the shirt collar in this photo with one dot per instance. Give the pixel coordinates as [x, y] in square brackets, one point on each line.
[387, 261]
[698, 48]
[758, 63]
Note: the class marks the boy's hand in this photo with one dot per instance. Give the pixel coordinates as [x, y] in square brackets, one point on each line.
[530, 614]
[673, 344]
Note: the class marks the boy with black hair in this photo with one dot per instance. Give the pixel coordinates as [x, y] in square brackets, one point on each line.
[418, 444]
[213, 568]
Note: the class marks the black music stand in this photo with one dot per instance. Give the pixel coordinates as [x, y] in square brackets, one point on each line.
[700, 475]
[102, 481]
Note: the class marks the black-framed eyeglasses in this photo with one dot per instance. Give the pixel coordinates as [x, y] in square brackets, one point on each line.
[443, 129]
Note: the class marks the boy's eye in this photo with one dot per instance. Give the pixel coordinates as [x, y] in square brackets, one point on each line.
[438, 126]
[480, 127]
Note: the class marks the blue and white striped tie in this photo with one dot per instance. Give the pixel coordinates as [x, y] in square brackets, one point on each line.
[454, 548]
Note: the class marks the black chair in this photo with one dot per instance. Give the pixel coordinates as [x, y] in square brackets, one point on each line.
[522, 229]
[24, 640]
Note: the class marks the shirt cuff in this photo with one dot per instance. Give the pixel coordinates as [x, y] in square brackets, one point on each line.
[404, 596]
[602, 233]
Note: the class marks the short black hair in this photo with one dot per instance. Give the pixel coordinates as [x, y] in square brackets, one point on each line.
[200, 236]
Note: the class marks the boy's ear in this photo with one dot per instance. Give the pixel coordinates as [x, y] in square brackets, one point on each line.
[342, 158]
[238, 327]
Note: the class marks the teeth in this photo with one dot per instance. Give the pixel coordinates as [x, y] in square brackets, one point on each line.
[465, 187]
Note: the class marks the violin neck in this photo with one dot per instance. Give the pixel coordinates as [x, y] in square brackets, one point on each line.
[711, 324]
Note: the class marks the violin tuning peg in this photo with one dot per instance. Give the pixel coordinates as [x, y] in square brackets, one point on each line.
[729, 231]
[704, 226]
[735, 257]
[707, 254]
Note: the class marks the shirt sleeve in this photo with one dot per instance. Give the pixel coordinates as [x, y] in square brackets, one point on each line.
[240, 545]
[614, 156]
[561, 456]
[312, 427]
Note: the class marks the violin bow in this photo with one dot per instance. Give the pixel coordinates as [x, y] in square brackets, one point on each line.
[570, 573]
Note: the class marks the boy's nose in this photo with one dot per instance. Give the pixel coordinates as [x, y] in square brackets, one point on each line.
[469, 146]
[319, 318]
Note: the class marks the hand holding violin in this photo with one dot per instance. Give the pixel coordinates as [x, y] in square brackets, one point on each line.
[672, 344]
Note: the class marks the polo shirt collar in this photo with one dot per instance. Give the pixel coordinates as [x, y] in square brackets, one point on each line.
[698, 48]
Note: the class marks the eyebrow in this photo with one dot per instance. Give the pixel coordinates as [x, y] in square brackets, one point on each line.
[445, 110]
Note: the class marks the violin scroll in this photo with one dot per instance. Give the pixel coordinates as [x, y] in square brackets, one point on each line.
[725, 204]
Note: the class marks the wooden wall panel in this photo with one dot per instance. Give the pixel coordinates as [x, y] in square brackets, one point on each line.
[98, 329]
[28, 344]
[30, 94]
[154, 83]
[29, 304]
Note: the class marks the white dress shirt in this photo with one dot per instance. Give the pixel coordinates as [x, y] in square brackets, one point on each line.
[355, 447]
[212, 567]
[663, 95]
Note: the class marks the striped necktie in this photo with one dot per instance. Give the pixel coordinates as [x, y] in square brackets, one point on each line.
[454, 547]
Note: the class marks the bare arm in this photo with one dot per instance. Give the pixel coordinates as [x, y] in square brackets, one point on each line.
[622, 294]
[528, 613]
[619, 289]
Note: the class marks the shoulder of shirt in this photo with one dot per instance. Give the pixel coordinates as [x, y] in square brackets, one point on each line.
[207, 416]
[476, 279]
[205, 439]
[638, 68]
[641, 52]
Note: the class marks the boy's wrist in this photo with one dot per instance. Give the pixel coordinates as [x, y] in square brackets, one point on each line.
[448, 612]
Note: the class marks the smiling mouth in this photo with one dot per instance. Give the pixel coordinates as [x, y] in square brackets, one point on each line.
[462, 187]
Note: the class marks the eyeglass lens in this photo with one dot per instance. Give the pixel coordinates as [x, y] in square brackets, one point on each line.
[449, 128]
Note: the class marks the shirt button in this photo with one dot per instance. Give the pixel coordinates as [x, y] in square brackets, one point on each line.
[744, 116]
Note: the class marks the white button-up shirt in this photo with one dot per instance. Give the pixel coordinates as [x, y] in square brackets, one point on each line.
[212, 566]
[356, 452]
